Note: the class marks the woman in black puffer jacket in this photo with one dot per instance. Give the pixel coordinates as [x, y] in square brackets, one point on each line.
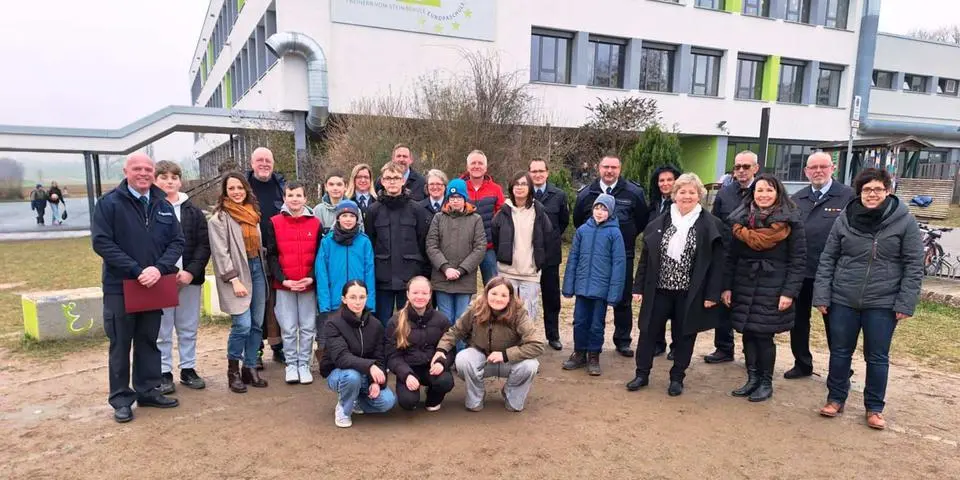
[410, 342]
[765, 269]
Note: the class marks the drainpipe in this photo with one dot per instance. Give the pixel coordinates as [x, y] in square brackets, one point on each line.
[318, 99]
[869, 26]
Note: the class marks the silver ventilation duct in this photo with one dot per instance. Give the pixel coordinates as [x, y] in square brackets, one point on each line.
[282, 43]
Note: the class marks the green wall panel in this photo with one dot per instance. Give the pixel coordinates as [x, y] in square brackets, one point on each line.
[771, 78]
[733, 6]
[700, 156]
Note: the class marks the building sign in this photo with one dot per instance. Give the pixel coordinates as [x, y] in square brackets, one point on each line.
[475, 19]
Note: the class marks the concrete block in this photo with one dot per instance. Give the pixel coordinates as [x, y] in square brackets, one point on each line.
[63, 314]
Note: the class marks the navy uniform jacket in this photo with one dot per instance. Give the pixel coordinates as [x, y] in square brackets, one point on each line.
[818, 218]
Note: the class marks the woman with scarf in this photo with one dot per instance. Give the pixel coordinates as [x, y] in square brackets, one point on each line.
[237, 252]
[764, 273]
[680, 278]
[345, 254]
[868, 279]
[660, 196]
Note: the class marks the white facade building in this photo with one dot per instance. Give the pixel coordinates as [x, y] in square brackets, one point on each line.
[711, 65]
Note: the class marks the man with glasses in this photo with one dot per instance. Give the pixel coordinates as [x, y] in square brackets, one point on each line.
[730, 197]
[554, 202]
[631, 210]
[397, 226]
[820, 203]
[412, 181]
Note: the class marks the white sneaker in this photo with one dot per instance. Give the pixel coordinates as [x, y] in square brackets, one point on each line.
[306, 377]
[292, 374]
[434, 408]
[340, 418]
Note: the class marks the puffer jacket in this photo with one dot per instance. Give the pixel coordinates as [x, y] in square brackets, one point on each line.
[337, 264]
[861, 271]
[456, 241]
[757, 279]
[597, 263]
[488, 199]
[397, 227]
[291, 244]
[518, 340]
[352, 343]
[425, 332]
[503, 234]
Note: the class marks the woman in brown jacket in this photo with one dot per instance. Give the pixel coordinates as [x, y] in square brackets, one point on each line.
[237, 250]
[503, 342]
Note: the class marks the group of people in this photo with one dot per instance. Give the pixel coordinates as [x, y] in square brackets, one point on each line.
[382, 276]
[41, 197]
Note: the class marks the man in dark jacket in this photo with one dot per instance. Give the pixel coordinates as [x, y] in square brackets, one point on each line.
[267, 185]
[820, 204]
[730, 197]
[554, 202]
[136, 233]
[632, 214]
[487, 196]
[412, 181]
[397, 227]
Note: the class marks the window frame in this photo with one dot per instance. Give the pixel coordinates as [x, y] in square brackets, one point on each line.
[840, 16]
[908, 84]
[661, 49]
[757, 65]
[802, 11]
[714, 4]
[799, 67]
[596, 42]
[762, 8]
[942, 91]
[875, 75]
[833, 98]
[536, 69]
[713, 78]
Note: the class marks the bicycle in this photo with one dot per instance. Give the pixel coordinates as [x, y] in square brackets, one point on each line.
[934, 259]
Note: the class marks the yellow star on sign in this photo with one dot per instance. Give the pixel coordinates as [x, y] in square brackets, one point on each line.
[438, 28]
[468, 13]
[456, 26]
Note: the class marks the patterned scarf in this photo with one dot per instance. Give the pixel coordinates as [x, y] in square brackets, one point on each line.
[246, 215]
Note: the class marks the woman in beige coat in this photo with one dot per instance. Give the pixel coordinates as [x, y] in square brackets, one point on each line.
[237, 252]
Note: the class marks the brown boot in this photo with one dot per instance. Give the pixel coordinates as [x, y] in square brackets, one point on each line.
[831, 409]
[875, 420]
[233, 377]
[251, 376]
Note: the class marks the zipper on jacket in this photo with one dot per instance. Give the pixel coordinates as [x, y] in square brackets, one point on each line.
[360, 331]
[866, 277]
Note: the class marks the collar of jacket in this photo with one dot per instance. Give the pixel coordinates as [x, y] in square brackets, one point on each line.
[352, 319]
[307, 211]
[156, 194]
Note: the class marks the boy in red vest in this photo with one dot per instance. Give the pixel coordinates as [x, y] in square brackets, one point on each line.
[292, 239]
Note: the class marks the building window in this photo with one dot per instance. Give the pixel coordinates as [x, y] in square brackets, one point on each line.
[798, 11]
[656, 69]
[712, 4]
[882, 79]
[828, 86]
[550, 56]
[706, 72]
[605, 63]
[788, 161]
[791, 82]
[757, 8]
[749, 77]
[947, 86]
[837, 11]
[915, 83]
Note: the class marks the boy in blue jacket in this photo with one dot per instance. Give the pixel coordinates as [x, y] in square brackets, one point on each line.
[594, 273]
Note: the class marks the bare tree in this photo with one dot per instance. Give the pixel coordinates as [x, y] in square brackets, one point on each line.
[11, 178]
[946, 34]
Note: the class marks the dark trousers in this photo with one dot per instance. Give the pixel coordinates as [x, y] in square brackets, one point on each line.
[723, 334]
[878, 325]
[550, 293]
[800, 334]
[437, 388]
[589, 320]
[387, 302]
[623, 311]
[760, 352]
[40, 212]
[140, 330]
[667, 305]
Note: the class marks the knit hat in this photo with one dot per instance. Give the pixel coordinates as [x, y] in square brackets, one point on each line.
[607, 201]
[347, 206]
[457, 187]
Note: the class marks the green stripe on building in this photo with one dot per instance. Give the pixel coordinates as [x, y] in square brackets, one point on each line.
[240, 4]
[700, 155]
[733, 6]
[771, 78]
[210, 59]
[228, 90]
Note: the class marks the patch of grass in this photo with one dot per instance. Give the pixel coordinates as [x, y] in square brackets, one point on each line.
[57, 349]
[952, 220]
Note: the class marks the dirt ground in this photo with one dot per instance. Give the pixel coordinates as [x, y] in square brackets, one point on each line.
[56, 424]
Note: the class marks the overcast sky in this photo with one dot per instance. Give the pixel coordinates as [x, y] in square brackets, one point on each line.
[106, 63]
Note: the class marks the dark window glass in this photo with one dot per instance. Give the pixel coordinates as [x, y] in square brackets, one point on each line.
[706, 75]
[749, 79]
[605, 64]
[656, 71]
[791, 84]
[549, 59]
[828, 87]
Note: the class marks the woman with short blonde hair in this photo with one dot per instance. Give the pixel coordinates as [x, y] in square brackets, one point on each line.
[360, 186]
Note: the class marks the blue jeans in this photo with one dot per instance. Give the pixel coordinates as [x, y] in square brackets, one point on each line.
[453, 305]
[352, 388]
[878, 325]
[246, 334]
[387, 302]
[488, 266]
[589, 320]
[55, 210]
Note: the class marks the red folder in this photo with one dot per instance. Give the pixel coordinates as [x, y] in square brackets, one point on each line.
[163, 294]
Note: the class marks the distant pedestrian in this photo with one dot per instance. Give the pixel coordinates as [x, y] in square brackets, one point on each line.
[38, 202]
[55, 197]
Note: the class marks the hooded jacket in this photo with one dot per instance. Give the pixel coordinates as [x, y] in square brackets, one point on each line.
[862, 271]
[337, 264]
[517, 339]
[352, 343]
[488, 198]
[196, 247]
[291, 245]
[327, 213]
[596, 266]
[425, 332]
[415, 185]
[397, 227]
[631, 209]
[456, 240]
[503, 234]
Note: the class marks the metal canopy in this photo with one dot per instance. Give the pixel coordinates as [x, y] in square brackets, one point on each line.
[903, 143]
[143, 132]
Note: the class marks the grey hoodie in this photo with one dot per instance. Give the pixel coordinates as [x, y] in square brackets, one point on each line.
[862, 271]
[327, 213]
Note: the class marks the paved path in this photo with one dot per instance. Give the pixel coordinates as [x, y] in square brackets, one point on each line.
[16, 217]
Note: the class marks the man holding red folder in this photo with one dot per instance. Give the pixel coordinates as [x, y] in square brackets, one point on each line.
[136, 232]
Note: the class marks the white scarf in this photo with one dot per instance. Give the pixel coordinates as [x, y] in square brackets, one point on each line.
[683, 223]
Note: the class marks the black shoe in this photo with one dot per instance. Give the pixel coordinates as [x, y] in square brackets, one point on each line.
[158, 401]
[593, 364]
[718, 357]
[578, 359]
[555, 344]
[123, 414]
[658, 350]
[797, 372]
[166, 384]
[278, 356]
[764, 391]
[676, 388]
[625, 351]
[638, 382]
[670, 356]
[753, 381]
[189, 377]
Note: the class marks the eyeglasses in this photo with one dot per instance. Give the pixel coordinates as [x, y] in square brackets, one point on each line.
[819, 167]
[873, 191]
[435, 184]
[521, 184]
[742, 166]
[392, 179]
